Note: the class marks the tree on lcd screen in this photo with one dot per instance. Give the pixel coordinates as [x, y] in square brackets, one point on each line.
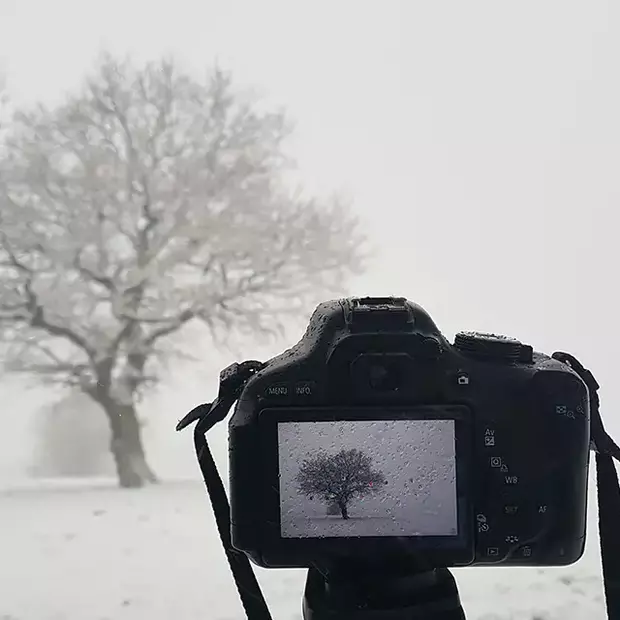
[339, 478]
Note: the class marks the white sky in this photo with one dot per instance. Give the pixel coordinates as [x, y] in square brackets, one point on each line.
[479, 140]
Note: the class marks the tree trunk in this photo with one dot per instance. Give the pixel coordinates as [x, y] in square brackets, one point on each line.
[126, 446]
[343, 510]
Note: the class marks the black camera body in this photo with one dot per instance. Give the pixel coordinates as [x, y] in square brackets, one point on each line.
[375, 437]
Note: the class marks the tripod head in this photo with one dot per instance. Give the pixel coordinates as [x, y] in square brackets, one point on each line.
[381, 593]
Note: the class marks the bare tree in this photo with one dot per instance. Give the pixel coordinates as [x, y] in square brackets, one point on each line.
[339, 478]
[146, 202]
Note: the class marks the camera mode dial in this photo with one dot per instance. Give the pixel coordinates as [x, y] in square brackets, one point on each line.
[490, 346]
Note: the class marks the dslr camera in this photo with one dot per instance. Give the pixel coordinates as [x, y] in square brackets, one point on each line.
[375, 437]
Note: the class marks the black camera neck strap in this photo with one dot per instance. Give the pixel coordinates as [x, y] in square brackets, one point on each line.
[232, 381]
[608, 489]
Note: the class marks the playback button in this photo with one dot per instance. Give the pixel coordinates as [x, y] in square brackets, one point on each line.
[492, 552]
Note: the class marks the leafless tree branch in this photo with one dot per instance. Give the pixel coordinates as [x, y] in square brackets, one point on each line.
[145, 202]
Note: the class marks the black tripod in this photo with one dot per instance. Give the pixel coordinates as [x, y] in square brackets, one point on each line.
[377, 594]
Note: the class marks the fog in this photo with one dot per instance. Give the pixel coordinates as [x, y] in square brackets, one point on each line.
[479, 142]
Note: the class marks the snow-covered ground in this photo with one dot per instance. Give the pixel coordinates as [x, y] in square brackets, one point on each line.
[419, 524]
[89, 551]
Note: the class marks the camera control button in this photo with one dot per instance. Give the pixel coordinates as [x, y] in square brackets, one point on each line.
[280, 391]
[462, 379]
[483, 524]
[496, 462]
[510, 480]
[524, 552]
[489, 437]
[542, 516]
[492, 551]
[511, 510]
[304, 389]
[491, 346]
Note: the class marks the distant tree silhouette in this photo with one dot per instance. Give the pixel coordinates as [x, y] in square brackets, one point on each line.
[338, 478]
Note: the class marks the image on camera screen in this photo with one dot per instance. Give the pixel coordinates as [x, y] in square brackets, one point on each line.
[367, 478]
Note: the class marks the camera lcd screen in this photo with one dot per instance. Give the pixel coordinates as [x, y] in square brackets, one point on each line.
[358, 478]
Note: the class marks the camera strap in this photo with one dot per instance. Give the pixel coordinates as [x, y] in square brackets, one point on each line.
[232, 381]
[607, 489]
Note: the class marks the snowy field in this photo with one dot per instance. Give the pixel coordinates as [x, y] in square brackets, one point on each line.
[90, 551]
[420, 525]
